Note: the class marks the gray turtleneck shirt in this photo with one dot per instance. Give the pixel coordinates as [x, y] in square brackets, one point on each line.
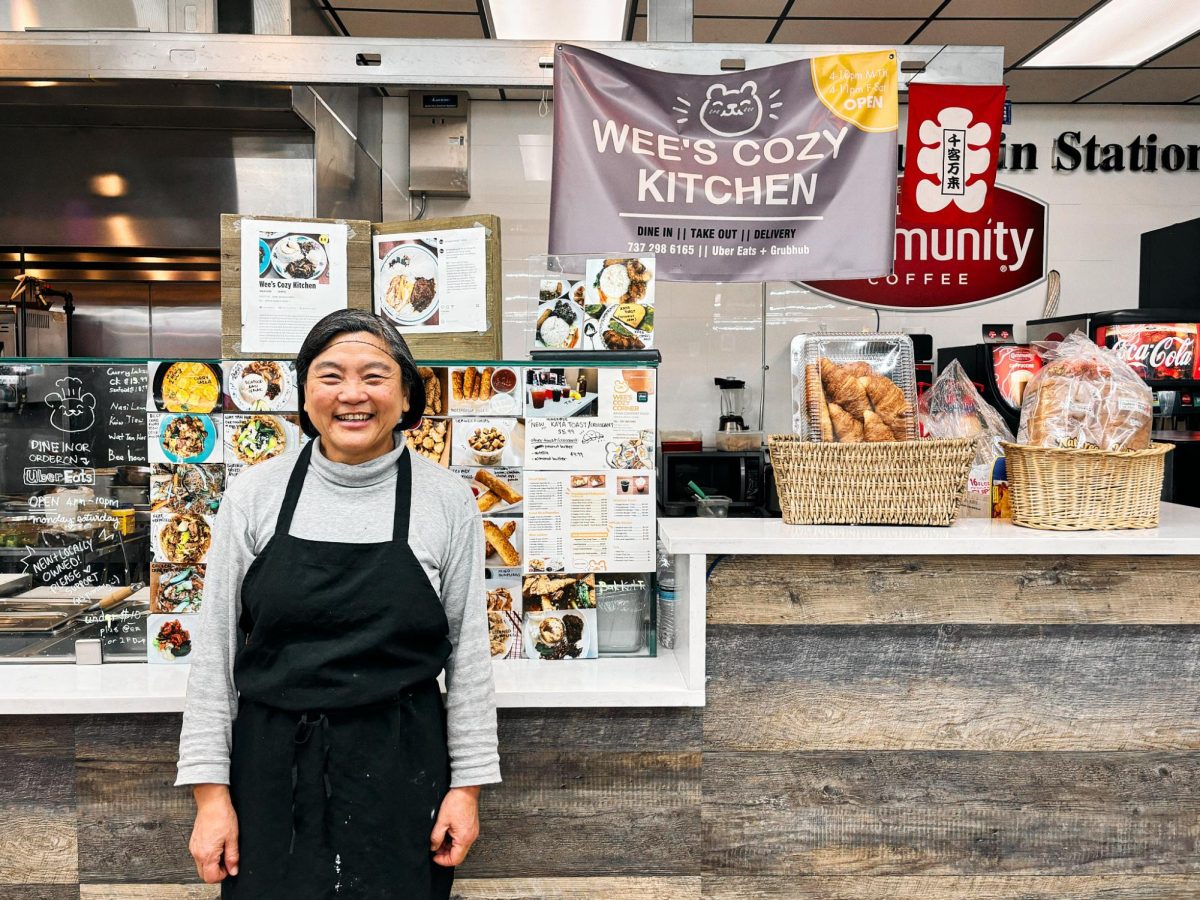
[347, 504]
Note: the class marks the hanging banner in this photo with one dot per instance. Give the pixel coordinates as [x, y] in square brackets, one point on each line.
[951, 148]
[777, 174]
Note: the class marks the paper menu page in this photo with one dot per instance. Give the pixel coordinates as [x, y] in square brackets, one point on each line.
[599, 521]
[432, 281]
[293, 274]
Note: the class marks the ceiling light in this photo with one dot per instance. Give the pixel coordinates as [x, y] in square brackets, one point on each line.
[109, 184]
[553, 20]
[1122, 33]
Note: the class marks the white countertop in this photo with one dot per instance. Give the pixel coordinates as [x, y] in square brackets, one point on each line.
[68, 689]
[1178, 534]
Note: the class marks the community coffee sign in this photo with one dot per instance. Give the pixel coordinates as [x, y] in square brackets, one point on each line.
[953, 265]
[781, 173]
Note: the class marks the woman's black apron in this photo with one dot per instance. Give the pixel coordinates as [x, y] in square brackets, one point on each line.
[339, 760]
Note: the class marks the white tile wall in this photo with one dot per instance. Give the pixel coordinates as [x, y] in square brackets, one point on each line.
[718, 329]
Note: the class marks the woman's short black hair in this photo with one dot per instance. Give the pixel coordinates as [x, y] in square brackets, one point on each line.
[347, 321]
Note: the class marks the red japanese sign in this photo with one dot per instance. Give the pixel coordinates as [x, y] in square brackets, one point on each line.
[951, 152]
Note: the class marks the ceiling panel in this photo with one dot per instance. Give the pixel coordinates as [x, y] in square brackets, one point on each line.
[731, 31]
[1184, 55]
[1151, 86]
[1017, 36]
[771, 8]
[1054, 85]
[906, 9]
[431, 6]
[411, 25]
[1016, 9]
[846, 31]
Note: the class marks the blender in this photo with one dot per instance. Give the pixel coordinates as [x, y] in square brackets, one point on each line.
[733, 399]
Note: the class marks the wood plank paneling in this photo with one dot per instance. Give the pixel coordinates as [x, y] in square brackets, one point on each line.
[575, 888]
[37, 846]
[134, 824]
[647, 730]
[874, 590]
[149, 891]
[39, 892]
[951, 813]
[953, 688]
[590, 813]
[998, 887]
[37, 763]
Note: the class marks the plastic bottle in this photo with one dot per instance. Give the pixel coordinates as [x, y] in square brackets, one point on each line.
[666, 598]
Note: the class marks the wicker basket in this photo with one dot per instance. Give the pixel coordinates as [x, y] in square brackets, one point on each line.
[1085, 490]
[886, 483]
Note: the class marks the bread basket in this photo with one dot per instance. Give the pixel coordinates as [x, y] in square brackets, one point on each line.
[1085, 490]
[884, 483]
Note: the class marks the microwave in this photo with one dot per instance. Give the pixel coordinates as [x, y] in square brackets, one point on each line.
[739, 475]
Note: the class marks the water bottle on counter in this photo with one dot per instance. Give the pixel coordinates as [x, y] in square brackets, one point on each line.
[666, 598]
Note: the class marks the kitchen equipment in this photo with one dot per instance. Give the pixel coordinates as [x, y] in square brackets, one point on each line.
[1056, 328]
[999, 372]
[733, 401]
[1170, 267]
[55, 608]
[738, 475]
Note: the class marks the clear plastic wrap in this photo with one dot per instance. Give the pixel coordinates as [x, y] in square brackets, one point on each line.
[1086, 397]
[853, 388]
[953, 408]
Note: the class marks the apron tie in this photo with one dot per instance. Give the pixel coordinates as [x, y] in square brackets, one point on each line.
[305, 728]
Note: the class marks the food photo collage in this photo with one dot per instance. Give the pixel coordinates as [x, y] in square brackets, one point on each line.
[206, 423]
[610, 308]
[560, 461]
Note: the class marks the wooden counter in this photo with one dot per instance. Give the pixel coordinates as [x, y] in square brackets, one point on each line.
[881, 723]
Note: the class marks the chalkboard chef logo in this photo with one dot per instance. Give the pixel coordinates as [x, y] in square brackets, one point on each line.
[72, 408]
[949, 266]
[782, 172]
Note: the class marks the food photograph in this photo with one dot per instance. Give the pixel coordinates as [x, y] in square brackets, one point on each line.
[251, 439]
[184, 438]
[504, 615]
[300, 257]
[557, 591]
[496, 490]
[431, 439]
[169, 639]
[561, 392]
[484, 390]
[503, 540]
[557, 635]
[488, 442]
[187, 488]
[184, 386]
[260, 385]
[175, 588]
[620, 304]
[181, 538]
[437, 395]
[406, 282]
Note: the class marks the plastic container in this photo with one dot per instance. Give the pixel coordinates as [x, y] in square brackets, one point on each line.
[739, 440]
[680, 441]
[889, 355]
[622, 606]
[666, 598]
[714, 506]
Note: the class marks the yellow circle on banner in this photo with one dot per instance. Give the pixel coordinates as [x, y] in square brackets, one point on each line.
[860, 88]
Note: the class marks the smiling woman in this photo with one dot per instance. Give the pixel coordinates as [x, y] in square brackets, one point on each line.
[319, 747]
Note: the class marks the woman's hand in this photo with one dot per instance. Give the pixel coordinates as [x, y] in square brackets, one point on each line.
[214, 843]
[457, 826]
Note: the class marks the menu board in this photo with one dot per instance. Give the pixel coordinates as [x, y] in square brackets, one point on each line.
[560, 460]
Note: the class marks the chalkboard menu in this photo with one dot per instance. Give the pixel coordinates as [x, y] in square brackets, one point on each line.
[67, 430]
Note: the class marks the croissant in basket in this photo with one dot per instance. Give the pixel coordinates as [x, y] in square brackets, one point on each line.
[852, 404]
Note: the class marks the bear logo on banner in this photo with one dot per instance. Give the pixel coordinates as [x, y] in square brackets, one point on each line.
[954, 132]
[732, 113]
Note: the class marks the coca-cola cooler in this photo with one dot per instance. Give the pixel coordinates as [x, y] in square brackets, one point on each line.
[1000, 373]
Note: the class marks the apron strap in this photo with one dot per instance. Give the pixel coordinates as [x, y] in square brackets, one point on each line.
[295, 484]
[403, 495]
